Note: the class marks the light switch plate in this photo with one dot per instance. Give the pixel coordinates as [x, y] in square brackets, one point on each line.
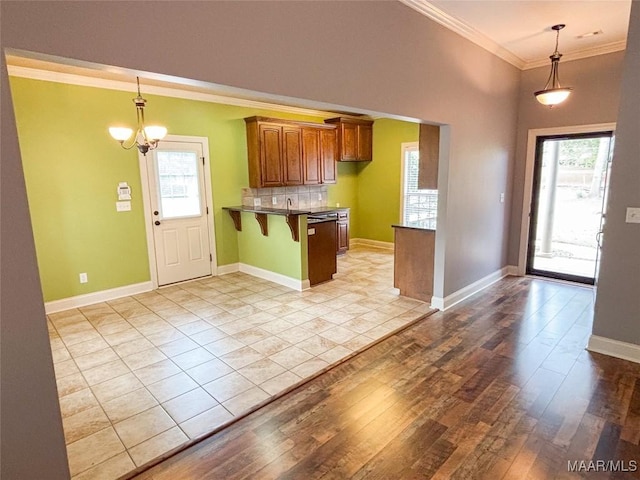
[274, 200]
[257, 202]
[123, 206]
[633, 215]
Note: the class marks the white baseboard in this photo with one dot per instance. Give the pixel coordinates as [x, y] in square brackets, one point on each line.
[371, 243]
[96, 297]
[457, 297]
[226, 269]
[274, 277]
[614, 348]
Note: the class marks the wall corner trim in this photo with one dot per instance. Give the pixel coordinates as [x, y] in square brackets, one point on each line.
[96, 297]
[464, 293]
[274, 277]
[614, 348]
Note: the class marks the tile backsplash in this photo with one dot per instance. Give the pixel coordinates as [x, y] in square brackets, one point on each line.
[301, 197]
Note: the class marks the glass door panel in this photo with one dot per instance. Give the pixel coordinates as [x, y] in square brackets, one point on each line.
[178, 184]
[567, 205]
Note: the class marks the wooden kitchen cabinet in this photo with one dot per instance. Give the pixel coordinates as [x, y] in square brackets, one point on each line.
[292, 167]
[311, 148]
[342, 227]
[267, 159]
[413, 262]
[288, 153]
[328, 155]
[355, 139]
[429, 147]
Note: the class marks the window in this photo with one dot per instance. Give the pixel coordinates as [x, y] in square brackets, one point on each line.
[417, 205]
[178, 183]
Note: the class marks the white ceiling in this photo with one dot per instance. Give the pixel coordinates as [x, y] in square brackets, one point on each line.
[520, 30]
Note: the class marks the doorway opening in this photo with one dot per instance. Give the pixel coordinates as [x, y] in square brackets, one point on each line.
[178, 210]
[567, 206]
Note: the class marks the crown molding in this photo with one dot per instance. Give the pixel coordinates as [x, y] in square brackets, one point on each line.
[473, 35]
[86, 81]
[465, 30]
[579, 54]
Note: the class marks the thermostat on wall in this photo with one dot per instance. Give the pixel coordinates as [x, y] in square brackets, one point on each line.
[124, 191]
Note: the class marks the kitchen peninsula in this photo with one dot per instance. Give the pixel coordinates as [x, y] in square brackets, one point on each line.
[414, 250]
[273, 242]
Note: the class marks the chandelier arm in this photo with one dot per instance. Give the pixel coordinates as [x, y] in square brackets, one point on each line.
[133, 142]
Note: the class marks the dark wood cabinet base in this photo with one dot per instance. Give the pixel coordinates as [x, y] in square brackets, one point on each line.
[413, 262]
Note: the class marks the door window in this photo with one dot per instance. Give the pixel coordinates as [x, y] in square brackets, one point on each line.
[178, 184]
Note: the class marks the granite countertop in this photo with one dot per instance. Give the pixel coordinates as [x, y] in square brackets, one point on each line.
[427, 224]
[284, 211]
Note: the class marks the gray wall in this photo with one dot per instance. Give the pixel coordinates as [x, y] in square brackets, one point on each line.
[32, 442]
[379, 56]
[617, 311]
[595, 99]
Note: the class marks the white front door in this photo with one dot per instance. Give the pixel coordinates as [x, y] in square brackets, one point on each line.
[179, 211]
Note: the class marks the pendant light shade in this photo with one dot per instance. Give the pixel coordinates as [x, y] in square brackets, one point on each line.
[552, 93]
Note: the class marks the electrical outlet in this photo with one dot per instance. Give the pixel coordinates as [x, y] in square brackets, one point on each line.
[319, 196]
[633, 215]
[257, 202]
[274, 200]
[83, 278]
[502, 198]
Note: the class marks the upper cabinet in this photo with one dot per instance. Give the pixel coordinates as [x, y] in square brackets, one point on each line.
[429, 147]
[287, 153]
[355, 138]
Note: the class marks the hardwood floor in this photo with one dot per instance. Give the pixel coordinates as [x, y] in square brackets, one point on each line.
[499, 387]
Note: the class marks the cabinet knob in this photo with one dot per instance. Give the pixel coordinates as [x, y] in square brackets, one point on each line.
[157, 222]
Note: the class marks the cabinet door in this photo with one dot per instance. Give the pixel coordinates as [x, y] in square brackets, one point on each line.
[328, 155]
[270, 155]
[429, 157]
[292, 155]
[349, 141]
[365, 137]
[343, 236]
[311, 155]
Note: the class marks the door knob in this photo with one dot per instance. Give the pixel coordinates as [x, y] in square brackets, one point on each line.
[157, 222]
[155, 212]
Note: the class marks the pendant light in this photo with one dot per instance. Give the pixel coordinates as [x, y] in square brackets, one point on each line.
[145, 138]
[553, 93]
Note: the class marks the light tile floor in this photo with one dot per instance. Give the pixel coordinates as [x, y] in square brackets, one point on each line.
[143, 375]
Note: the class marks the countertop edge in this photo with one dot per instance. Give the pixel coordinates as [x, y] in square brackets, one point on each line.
[413, 227]
[282, 211]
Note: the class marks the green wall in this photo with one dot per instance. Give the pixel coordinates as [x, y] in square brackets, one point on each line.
[72, 168]
[276, 252]
[379, 181]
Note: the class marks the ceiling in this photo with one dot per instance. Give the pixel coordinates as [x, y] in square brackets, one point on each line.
[520, 30]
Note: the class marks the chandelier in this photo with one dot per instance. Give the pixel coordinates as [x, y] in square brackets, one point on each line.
[553, 93]
[145, 138]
